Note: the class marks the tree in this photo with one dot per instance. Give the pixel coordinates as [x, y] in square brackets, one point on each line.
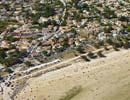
[124, 18]
[3, 25]
[10, 70]
[81, 50]
[85, 58]
[2, 53]
[65, 44]
[64, 23]
[28, 63]
[106, 48]
[125, 43]
[99, 53]
[10, 38]
[115, 48]
[128, 28]
[97, 45]
[91, 55]
[109, 41]
[108, 13]
[73, 30]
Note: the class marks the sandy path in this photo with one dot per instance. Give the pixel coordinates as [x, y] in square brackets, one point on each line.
[101, 79]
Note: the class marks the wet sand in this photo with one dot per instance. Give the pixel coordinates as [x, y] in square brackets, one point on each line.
[101, 79]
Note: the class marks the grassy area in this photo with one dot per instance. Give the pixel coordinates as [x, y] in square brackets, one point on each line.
[69, 54]
[71, 93]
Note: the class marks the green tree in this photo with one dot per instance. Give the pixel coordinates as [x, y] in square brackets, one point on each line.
[28, 63]
[10, 38]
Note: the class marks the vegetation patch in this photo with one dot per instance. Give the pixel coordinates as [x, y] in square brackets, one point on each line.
[71, 93]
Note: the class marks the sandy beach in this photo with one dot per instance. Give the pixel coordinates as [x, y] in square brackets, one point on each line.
[101, 79]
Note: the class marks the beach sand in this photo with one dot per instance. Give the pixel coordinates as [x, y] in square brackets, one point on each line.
[101, 79]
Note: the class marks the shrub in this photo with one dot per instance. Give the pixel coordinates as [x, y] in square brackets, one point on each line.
[71, 93]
